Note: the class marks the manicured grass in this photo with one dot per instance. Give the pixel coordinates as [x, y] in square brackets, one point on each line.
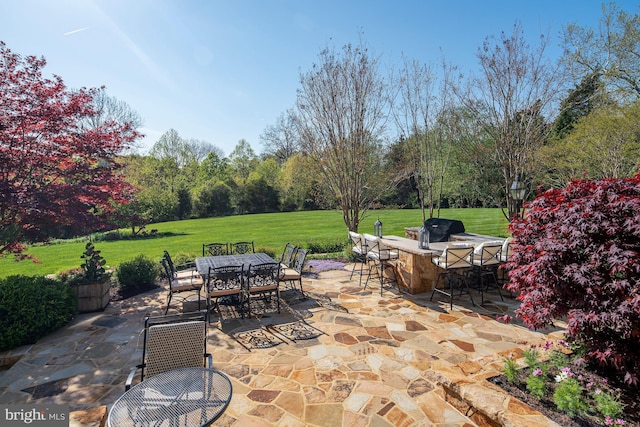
[268, 231]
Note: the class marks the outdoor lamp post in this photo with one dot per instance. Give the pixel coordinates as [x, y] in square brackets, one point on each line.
[377, 228]
[517, 195]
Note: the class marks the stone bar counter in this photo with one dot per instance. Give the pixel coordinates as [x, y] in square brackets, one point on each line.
[414, 270]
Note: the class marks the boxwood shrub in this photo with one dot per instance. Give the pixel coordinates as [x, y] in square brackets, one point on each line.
[32, 307]
[137, 274]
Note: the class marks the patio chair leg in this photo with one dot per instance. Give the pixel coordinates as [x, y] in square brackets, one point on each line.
[384, 266]
[353, 269]
[168, 303]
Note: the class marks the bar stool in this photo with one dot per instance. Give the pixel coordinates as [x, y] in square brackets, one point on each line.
[359, 250]
[486, 258]
[380, 255]
[456, 262]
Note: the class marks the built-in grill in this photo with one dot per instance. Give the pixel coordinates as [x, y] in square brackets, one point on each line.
[440, 229]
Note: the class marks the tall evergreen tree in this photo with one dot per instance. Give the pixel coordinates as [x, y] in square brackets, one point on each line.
[579, 103]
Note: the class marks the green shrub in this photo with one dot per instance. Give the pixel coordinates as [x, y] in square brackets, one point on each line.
[138, 273]
[268, 251]
[535, 383]
[532, 357]
[568, 397]
[32, 307]
[183, 258]
[326, 246]
[510, 370]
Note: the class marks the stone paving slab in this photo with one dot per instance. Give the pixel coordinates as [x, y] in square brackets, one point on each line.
[341, 355]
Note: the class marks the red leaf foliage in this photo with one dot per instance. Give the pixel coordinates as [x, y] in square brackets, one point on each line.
[56, 173]
[576, 255]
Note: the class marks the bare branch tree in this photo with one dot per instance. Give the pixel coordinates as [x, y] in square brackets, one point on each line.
[421, 114]
[513, 96]
[111, 109]
[281, 139]
[201, 149]
[341, 113]
[611, 50]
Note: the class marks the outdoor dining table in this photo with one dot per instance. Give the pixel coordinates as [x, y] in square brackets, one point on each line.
[180, 397]
[203, 263]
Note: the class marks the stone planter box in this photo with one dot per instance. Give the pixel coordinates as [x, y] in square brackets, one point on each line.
[93, 296]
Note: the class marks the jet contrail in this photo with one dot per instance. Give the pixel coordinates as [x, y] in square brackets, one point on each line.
[75, 31]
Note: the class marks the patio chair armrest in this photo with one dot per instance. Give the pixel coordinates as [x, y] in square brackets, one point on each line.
[210, 359]
[186, 266]
[127, 384]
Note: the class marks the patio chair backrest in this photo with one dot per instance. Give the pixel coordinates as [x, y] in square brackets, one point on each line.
[169, 261]
[487, 253]
[226, 280]
[263, 276]
[242, 248]
[371, 242]
[174, 341]
[288, 254]
[356, 241]
[456, 257]
[166, 265]
[215, 249]
[385, 252]
[298, 261]
[506, 249]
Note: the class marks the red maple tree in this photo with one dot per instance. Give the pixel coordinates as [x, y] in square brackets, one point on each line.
[56, 171]
[576, 256]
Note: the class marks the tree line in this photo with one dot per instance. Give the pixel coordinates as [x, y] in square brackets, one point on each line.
[458, 141]
[358, 137]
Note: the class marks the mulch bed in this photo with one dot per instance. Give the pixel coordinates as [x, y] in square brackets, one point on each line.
[548, 409]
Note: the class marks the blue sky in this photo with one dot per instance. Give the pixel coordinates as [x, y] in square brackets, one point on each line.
[221, 71]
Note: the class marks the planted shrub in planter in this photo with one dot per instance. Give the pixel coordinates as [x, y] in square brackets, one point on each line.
[32, 307]
[91, 282]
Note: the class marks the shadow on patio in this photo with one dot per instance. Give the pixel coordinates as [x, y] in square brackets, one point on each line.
[341, 356]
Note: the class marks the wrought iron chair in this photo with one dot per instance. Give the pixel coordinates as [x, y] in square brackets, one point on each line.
[171, 342]
[486, 258]
[293, 273]
[455, 261]
[359, 250]
[380, 256]
[286, 260]
[225, 282]
[182, 271]
[181, 286]
[215, 249]
[241, 248]
[262, 281]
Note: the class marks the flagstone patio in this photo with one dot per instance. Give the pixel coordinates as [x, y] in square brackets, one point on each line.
[341, 356]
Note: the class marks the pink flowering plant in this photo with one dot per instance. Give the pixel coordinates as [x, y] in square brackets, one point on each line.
[555, 375]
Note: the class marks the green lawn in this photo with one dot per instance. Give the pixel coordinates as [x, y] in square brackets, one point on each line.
[268, 231]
